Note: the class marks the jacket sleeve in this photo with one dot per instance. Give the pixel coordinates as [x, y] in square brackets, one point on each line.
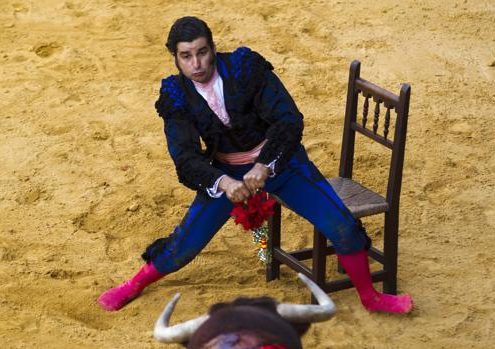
[278, 109]
[183, 141]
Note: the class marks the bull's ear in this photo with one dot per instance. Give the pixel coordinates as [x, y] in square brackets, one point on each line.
[301, 328]
[217, 306]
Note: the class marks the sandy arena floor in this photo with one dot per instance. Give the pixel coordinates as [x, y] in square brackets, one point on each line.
[86, 182]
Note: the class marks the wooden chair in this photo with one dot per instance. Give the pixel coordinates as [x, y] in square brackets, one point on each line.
[361, 201]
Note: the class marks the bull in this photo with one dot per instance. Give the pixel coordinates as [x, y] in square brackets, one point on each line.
[247, 323]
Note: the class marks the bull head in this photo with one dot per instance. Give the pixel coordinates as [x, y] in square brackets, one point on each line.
[295, 313]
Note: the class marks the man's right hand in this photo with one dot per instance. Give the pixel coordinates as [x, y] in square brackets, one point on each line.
[236, 191]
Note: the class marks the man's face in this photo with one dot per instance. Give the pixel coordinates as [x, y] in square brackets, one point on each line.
[196, 59]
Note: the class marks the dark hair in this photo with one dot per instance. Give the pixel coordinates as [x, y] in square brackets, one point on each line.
[187, 29]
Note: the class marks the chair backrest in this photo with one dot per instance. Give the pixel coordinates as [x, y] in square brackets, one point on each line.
[392, 103]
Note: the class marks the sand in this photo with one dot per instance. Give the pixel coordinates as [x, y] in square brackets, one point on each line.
[86, 181]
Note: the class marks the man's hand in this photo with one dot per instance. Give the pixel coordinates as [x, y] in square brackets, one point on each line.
[256, 177]
[236, 191]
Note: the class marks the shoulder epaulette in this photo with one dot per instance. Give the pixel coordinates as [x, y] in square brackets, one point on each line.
[248, 65]
[173, 92]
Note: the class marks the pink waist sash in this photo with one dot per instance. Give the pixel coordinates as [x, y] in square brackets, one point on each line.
[240, 158]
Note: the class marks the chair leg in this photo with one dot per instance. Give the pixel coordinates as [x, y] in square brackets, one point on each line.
[390, 251]
[319, 260]
[273, 267]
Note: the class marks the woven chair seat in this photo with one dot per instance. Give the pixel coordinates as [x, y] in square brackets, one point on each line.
[359, 200]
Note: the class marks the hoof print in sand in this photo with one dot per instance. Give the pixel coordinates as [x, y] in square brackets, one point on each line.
[46, 50]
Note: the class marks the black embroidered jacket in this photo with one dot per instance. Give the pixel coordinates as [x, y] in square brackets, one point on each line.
[259, 107]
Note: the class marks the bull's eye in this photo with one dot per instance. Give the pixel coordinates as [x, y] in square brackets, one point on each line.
[224, 341]
[234, 341]
[227, 341]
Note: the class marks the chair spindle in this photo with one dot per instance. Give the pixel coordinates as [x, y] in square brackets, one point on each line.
[365, 110]
[387, 123]
[377, 116]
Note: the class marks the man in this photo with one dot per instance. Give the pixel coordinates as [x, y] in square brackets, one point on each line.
[252, 130]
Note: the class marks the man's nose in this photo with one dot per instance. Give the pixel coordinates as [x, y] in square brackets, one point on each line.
[196, 62]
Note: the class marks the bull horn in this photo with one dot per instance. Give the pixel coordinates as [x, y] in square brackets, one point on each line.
[179, 333]
[298, 313]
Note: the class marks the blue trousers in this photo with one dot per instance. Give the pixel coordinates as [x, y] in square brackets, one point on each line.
[300, 186]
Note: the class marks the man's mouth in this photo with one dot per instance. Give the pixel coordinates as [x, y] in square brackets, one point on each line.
[198, 74]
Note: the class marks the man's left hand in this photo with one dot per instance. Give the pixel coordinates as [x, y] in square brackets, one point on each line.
[256, 177]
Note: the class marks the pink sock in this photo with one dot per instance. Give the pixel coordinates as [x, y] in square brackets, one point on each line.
[357, 268]
[115, 298]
